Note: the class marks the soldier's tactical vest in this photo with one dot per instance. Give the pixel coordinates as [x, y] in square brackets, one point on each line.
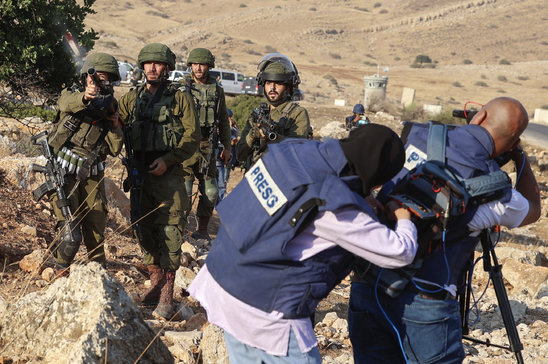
[154, 127]
[81, 130]
[468, 154]
[206, 99]
[282, 193]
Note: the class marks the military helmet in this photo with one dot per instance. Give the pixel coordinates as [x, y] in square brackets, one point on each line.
[102, 62]
[201, 55]
[278, 67]
[157, 52]
[358, 109]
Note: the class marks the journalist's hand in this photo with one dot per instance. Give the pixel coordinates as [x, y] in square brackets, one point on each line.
[395, 211]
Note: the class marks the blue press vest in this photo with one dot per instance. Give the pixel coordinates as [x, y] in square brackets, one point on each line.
[248, 256]
[468, 154]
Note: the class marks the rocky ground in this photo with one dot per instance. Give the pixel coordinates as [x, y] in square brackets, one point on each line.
[26, 229]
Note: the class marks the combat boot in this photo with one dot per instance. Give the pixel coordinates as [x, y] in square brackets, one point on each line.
[166, 307]
[157, 280]
[201, 233]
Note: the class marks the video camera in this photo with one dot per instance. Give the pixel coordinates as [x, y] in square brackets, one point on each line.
[465, 114]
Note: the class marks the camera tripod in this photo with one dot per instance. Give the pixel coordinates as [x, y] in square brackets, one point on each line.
[491, 265]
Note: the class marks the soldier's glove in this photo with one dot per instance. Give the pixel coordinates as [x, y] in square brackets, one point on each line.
[102, 102]
[254, 133]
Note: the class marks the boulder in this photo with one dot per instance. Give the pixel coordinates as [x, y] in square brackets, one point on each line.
[33, 262]
[213, 346]
[85, 318]
[183, 344]
[334, 129]
[525, 277]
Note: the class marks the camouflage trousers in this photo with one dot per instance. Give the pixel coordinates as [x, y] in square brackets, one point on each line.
[88, 205]
[160, 205]
[207, 179]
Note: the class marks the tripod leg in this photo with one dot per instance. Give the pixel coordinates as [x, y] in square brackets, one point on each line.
[502, 297]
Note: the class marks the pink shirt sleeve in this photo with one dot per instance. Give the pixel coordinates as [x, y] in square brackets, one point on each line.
[360, 234]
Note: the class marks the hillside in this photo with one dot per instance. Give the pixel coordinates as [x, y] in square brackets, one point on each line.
[467, 40]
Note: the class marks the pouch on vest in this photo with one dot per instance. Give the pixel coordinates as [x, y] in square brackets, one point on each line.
[435, 196]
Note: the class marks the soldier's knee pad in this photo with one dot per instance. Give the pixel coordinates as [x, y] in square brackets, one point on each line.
[211, 189]
[69, 241]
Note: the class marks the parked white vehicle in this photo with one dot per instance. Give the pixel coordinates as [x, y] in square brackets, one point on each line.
[125, 70]
[231, 81]
[177, 75]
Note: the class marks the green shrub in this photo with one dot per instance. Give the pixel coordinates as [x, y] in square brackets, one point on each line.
[544, 107]
[243, 6]
[335, 55]
[422, 58]
[331, 79]
[457, 84]
[446, 117]
[21, 111]
[111, 44]
[467, 61]
[481, 84]
[412, 113]
[523, 78]
[248, 41]
[253, 52]
[242, 106]
[504, 62]
[502, 78]
[383, 11]
[25, 147]
[377, 5]
[312, 9]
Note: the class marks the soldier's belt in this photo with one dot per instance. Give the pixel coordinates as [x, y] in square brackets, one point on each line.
[72, 162]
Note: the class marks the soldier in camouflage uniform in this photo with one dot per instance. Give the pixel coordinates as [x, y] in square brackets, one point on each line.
[210, 100]
[85, 132]
[280, 79]
[161, 130]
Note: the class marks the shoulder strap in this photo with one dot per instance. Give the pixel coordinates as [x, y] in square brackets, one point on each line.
[483, 188]
[435, 147]
[289, 108]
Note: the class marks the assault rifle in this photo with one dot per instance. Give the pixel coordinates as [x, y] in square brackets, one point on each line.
[211, 140]
[269, 129]
[266, 124]
[134, 180]
[55, 180]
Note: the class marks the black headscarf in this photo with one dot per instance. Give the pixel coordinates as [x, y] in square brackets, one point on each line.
[374, 153]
